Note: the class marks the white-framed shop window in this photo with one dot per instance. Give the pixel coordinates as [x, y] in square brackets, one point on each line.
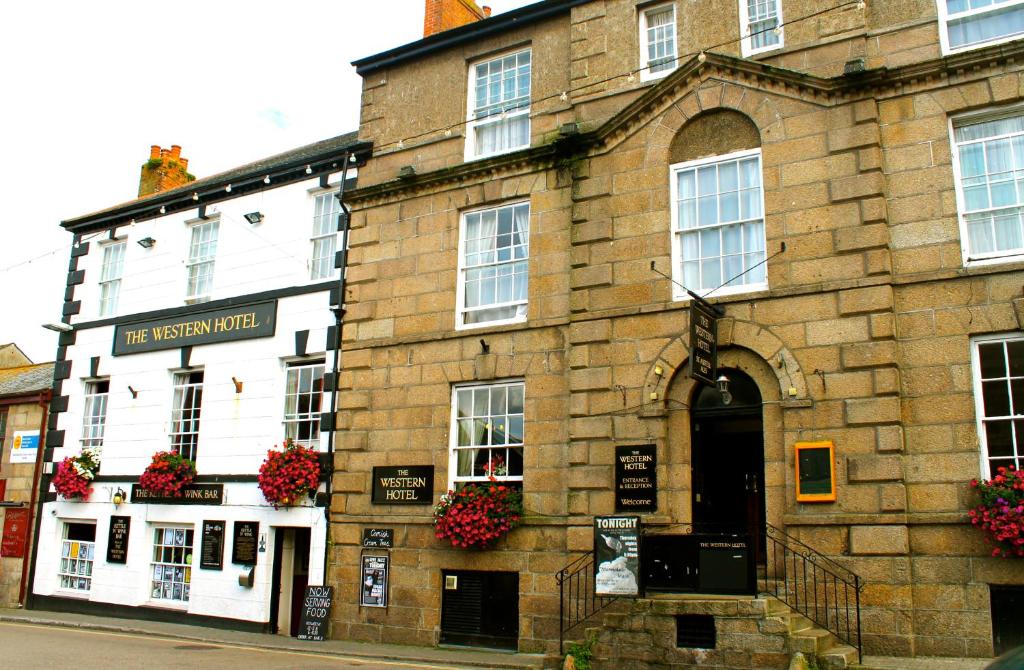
[969, 24]
[494, 252]
[988, 167]
[202, 254]
[487, 433]
[172, 563]
[186, 408]
[324, 238]
[498, 118]
[77, 556]
[303, 402]
[760, 26]
[111, 272]
[718, 237]
[94, 412]
[657, 41]
[998, 362]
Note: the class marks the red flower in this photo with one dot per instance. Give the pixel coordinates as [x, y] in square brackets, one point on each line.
[1001, 512]
[168, 474]
[477, 514]
[287, 475]
[68, 482]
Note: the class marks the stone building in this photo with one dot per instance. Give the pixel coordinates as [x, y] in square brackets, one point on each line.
[842, 179]
[24, 401]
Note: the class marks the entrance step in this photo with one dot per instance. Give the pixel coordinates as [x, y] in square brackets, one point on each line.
[920, 663]
[807, 637]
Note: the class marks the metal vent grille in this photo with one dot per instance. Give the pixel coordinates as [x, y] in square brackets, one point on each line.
[695, 631]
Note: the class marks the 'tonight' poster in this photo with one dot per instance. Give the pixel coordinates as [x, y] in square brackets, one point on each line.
[617, 555]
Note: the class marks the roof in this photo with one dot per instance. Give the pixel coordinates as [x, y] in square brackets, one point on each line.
[25, 379]
[467, 33]
[283, 168]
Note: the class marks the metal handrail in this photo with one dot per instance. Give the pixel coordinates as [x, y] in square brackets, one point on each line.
[577, 601]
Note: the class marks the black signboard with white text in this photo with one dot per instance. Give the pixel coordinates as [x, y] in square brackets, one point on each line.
[403, 485]
[636, 478]
[703, 343]
[617, 555]
[379, 538]
[211, 555]
[117, 539]
[316, 608]
[241, 322]
[246, 539]
[193, 494]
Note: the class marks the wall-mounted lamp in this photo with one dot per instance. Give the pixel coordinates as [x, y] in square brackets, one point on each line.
[147, 242]
[135, 394]
[266, 180]
[163, 210]
[309, 169]
[119, 497]
[238, 385]
[723, 387]
[253, 217]
[658, 370]
[195, 196]
[59, 327]
[227, 189]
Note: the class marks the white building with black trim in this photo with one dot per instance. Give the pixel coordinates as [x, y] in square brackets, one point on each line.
[202, 319]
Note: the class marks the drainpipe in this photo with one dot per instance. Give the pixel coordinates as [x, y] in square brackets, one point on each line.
[28, 563]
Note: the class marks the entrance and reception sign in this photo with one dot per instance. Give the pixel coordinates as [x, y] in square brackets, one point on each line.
[374, 592]
[15, 537]
[316, 610]
[230, 324]
[636, 479]
[617, 555]
[378, 538]
[703, 343]
[211, 556]
[244, 547]
[117, 539]
[193, 494]
[403, 485]
[815, 474]
[25, 446]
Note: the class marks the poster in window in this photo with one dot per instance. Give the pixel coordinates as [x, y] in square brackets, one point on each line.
[815, 472]
[374, 591]
[617, 555]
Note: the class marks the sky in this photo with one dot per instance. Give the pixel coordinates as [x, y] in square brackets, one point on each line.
[87, 87]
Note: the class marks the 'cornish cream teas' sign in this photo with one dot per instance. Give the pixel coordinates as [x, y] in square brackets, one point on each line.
[223, 325]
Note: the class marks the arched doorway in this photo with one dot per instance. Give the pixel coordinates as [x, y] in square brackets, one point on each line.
[727, 459]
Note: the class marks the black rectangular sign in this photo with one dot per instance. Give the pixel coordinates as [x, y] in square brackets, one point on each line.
[636, 478]
[703, 343]
[212, 555]
[383, 538]
[117, 539]
[193, 494]
[246, 541]
[316, 609]
[374, 592]
[223, 325]
[403, 485]
[617, 555]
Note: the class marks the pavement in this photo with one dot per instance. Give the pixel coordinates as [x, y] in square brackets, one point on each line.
[452, 656]
[921, 663]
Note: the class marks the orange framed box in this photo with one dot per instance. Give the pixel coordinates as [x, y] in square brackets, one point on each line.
[815, 471]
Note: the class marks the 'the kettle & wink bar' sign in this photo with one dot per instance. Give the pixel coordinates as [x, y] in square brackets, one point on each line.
[241, 322]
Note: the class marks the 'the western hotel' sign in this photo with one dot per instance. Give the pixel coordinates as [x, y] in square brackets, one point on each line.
[231, 323]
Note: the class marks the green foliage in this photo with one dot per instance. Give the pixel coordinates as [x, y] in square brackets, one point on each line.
[583, 652]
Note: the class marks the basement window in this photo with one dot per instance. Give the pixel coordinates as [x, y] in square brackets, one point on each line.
[695, 631]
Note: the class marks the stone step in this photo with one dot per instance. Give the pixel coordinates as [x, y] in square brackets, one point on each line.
[814, 641]
[839, 657]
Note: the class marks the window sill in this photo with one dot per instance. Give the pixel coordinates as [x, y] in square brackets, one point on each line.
[76, 595]
[490, 324]
[747, 290]
[168, 605]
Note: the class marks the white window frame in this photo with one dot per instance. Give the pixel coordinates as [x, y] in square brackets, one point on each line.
[322, 266]
[463, 269]
[295, 419]
[678, 292]
[187, 397]
[945, 18]
[185, 564]
[453, 441]
[996, 257]
[472, 123]
[200, 266]
[79, 568]
[1018, 455]
[746, 44]
[644, 13]
[111, 272]
[94, 412]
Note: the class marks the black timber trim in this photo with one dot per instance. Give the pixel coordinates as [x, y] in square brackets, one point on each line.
[301, 341]
[76, 277]
[71, 307]
[61, 369]
[94, 366]
[55, 438]
[59, 403]
[79, 606]
[200, 479]
[81, 250]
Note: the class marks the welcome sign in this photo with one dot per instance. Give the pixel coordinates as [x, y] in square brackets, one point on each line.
[223, 325]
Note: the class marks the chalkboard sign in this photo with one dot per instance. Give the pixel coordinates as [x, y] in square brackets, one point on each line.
[246, 536]
[117, 539]
[636, 480]
[316, 609]
[374, 592]
[815, 474]
[379, 538]
[212, 555]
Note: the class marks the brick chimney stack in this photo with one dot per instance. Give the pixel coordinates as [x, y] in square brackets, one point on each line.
[441, 15]
[164, 170]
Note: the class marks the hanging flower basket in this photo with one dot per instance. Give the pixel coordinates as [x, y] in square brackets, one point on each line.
[288, 475]
[1001, 512]
[477, 514]
[75, 472]
[168, 474]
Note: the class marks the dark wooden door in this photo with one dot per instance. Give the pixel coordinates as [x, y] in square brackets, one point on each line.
[480, 609]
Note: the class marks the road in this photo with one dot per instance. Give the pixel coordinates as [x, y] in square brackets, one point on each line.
[26, 646]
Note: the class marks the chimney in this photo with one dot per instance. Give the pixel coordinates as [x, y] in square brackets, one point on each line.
[164, 170]
[441, 15]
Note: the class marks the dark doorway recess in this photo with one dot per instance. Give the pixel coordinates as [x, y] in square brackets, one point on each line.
[728, 460]
[480, 609]
[291, 577]
[1007, 617]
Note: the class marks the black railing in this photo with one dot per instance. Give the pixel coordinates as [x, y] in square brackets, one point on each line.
[577, 601]
[811, 584]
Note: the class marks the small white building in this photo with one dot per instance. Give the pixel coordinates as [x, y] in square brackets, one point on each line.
[201, 319]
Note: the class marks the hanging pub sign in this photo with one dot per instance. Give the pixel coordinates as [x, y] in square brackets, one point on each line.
[243, 549]
[241, 322]
[403, 485]
[636, 479]
[703, 342]
[374, 592]
[316, 609]
[117, 539]
[617, 555]
[211, 557]
[379, 538]
[193, 494]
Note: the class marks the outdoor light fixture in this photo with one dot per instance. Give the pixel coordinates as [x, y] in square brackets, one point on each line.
[147, 242]
[59, 327]
[253, 217]
[266, 180]
[195, 196]
[163, 210]
[723, 387]
[309, 169]
[119, 497]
